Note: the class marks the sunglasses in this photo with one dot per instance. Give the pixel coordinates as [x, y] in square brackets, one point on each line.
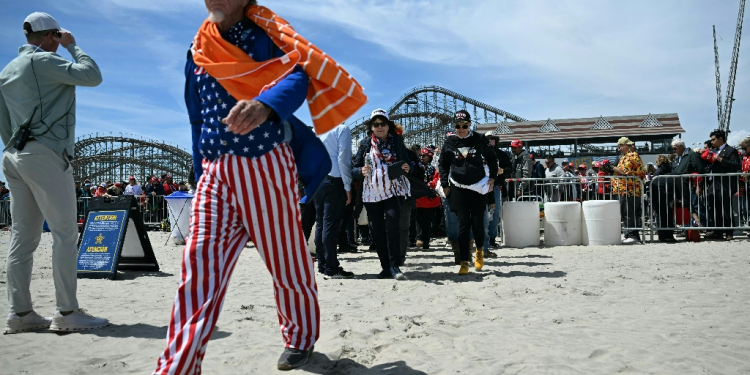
[462, 125]
[379, 125]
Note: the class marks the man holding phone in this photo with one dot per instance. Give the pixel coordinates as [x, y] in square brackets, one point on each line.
[37, 126]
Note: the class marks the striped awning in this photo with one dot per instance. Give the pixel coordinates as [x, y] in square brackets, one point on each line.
[651, 125]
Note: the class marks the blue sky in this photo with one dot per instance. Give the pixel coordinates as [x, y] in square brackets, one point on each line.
[536, 59]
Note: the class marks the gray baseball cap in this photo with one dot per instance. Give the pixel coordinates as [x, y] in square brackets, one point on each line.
[41, 21]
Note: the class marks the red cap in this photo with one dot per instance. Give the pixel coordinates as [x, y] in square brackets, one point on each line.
[516, 143]
[597, 164]
[531, 156]
[427, 151]
[582, 166]
[131, 178]
[605, 161]
[117, 184]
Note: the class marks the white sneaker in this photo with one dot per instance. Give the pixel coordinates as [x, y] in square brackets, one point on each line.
[29, 322]
[78, 320]
[628, 241]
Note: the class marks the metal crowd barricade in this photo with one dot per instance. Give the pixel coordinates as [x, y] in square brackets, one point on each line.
[586, 188]
[81, 206]
[153, 209]
[705, 202]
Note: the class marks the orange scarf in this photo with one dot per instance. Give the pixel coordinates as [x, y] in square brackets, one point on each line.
[333, 95]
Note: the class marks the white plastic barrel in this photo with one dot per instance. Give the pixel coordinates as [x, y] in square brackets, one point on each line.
[562, 224]
[601, 223]
[178, 204]
[521, 224]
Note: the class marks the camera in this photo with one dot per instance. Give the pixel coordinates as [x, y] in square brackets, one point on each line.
[23, 137]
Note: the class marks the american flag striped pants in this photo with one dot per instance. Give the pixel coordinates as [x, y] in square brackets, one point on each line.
[237, 199]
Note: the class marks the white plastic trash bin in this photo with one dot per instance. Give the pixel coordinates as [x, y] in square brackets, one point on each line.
[601, 223]
[521, 224]
[178, 204]
[562, 224]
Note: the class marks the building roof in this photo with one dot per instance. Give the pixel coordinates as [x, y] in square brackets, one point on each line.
[588, 130]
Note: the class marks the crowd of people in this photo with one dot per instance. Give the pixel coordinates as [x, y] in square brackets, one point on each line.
[247, 148]
[149, 197]
[457, 190]
[155, 186]
[702, 187]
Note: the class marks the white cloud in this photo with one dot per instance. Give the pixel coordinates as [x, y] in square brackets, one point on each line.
[547, 58]
[361, 75]
[129, 106]
[609, 48]
[177, 6]
[736, 136]
[588, 57]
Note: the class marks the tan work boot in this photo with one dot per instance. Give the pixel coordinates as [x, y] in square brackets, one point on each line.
[479, 259]
[464, 270]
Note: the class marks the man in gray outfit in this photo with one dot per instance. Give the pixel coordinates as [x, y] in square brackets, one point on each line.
[37, 126]
[523, 167]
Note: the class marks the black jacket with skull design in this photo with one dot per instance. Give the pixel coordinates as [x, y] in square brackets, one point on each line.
[463, 159]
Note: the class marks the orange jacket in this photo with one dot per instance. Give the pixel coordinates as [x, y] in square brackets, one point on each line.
[333, 94]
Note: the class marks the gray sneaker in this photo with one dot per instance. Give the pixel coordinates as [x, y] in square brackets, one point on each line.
[78, 320]
[293, 358]
[29, 322]
[397, 274]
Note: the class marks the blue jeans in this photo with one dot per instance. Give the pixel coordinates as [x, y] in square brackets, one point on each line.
[451, 222]
[487, 228]
[492, 219]
[495, 219]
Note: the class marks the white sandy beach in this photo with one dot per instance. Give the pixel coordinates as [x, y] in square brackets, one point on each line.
[660, 309]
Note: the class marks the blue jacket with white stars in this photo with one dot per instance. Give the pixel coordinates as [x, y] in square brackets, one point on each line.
[208, 102]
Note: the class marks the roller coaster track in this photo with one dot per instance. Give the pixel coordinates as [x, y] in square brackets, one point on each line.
[115, 158]
[425, 113]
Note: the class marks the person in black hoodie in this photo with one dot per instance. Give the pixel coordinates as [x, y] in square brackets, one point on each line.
[383, 195]
[465, 183]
